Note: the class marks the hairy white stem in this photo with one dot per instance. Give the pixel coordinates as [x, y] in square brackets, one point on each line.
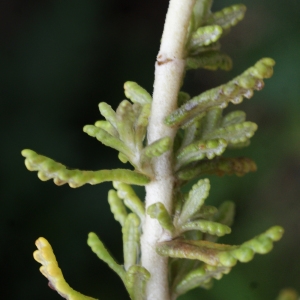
[169, 71]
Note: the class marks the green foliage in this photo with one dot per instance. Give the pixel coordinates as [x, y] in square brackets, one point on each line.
[50, 269]
[203, 134]
[50, 169]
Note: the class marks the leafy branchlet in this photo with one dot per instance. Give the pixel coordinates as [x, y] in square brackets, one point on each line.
[203, 134]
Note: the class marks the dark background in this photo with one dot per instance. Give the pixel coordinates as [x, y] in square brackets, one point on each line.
[58, 60]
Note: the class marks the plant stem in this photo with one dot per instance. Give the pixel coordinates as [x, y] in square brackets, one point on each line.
[169, 71]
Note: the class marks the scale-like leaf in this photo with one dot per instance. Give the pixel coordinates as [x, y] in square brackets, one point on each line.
[159, 212]
[228, 16]
[137, 278]
[210, 60]
[49, 169]
[131, 240]
[157, 148]
[50, 269]
[204, 36]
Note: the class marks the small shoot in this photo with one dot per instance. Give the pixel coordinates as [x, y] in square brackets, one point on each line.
[49, 169]
[50, 269]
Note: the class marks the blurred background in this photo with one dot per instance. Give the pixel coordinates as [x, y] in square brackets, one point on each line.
[58, 60]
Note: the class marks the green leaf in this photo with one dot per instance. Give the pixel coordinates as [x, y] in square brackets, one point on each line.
[228, 17]
[131, 200]
[204, 36]
[210, 60]
[117, 207]
[159, 212]
[108, 140]
[99, 249]
[157, 148]
[50, 269]
[136, 93]
[194, 201]
[233, 134]
[131, 240]
[200, 150]
[205, 226]
[108, 113]
[220, 254]
[48, 169]
[199, 277]
[219, 166]
[233, 91]
[141, 123]
[105, 125]
[201, 11]
[137, 278]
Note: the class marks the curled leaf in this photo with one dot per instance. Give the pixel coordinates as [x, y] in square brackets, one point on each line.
[49, 169]
[50, 269]
[205, 226]
[158, 147]
[136, 93]
[159, 212]
[131, 200]
[117, 207]
[99, 249]
[220, 254]
[228, 16]
[233, 91]
[205, 36]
